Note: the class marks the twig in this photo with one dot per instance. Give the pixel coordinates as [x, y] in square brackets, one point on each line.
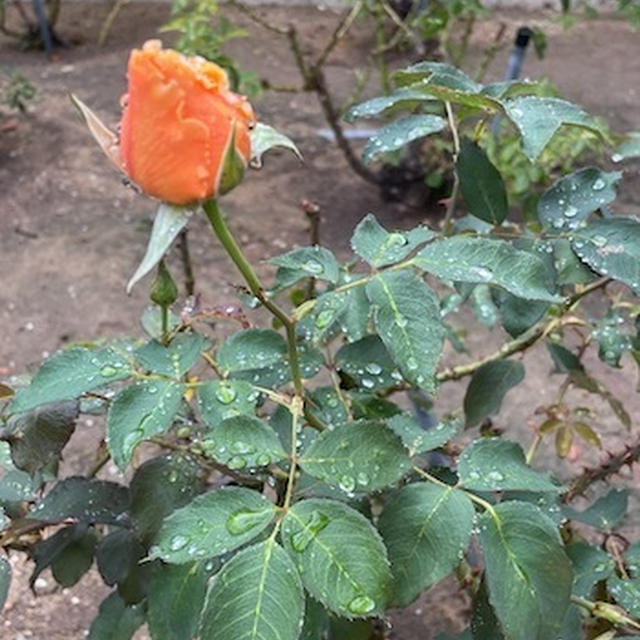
[606, 611]
[109, 20]
[257, 18]
[103, 457]
[491, 52]
[525, 340]
[3, 27]
[464, 46]
[402, 28]
[333, 120]
[627, 457]
[187, 266]
[340, 31]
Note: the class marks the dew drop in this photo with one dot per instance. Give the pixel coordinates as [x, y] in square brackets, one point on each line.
[241, 447]
[361, 605]
[178, 542]
[412, 363]
[373, 368]
[244, 520]
[316, 523]
[108, 371]
[570, 212]
[263, 460]
[226, 394]
[396, 240]
[324, 318]
[313, 266]
[347, 483]
[237, 462]
[599, 184]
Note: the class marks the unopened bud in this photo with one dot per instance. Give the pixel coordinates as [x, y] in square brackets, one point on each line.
[164, 291]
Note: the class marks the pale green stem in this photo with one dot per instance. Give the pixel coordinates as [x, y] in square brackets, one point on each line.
[235, 253]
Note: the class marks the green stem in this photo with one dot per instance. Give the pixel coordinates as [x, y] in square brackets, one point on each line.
[164, 314]
[235, 253]
[451, 206]
[472, 496]
[296, 410]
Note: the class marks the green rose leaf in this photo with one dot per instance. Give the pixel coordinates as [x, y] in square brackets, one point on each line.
[492, 464]
[264, 137]
[138, 412]
[212, 524]
[321, 324]
[418, 440]
[176, 597]
[173, 360]
[590, 566]
[116, 620]
[377, 246]
[327, 405]
[407, 318]
[260, 356]
[605, 513]
[158, 487]
[74, 560]
[400, 99]
[400, 133]
[116, 554]
[355, 320]
[425, 528]
[315, 262]
[256, 595]
[243, 442]
[438, 73]
[481, 184]
[357, 456]
[368, 363]
[68, 374]
[626, 593]
[5, 580]
[340, 556]
[527, 571]
[519, 314]
[628, 148]
[167, 225]
[538, 120]
[488, 261]
[611, 247]
[570, 200]
[488, 386]
[84, 500]
[222, 399]
[38, 437]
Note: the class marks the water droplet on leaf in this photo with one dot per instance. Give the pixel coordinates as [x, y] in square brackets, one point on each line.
[244, 520]
[226, 395]
[178, 542]
[361, 605]
[347, 483]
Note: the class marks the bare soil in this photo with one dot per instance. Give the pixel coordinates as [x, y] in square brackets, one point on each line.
[71, 233]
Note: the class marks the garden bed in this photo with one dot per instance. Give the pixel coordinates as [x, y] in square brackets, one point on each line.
[71, 233]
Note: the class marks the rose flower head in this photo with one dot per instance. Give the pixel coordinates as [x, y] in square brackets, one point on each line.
[184, 135]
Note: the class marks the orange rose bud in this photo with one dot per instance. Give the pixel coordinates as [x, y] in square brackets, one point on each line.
[179, 125]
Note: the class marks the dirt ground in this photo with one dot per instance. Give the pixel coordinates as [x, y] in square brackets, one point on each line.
[71, 233]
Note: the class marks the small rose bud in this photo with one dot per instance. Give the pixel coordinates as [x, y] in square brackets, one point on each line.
[164, 291]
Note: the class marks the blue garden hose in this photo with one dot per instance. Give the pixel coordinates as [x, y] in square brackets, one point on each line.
[45, 33]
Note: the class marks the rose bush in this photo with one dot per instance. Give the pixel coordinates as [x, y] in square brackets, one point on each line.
[281, 482]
